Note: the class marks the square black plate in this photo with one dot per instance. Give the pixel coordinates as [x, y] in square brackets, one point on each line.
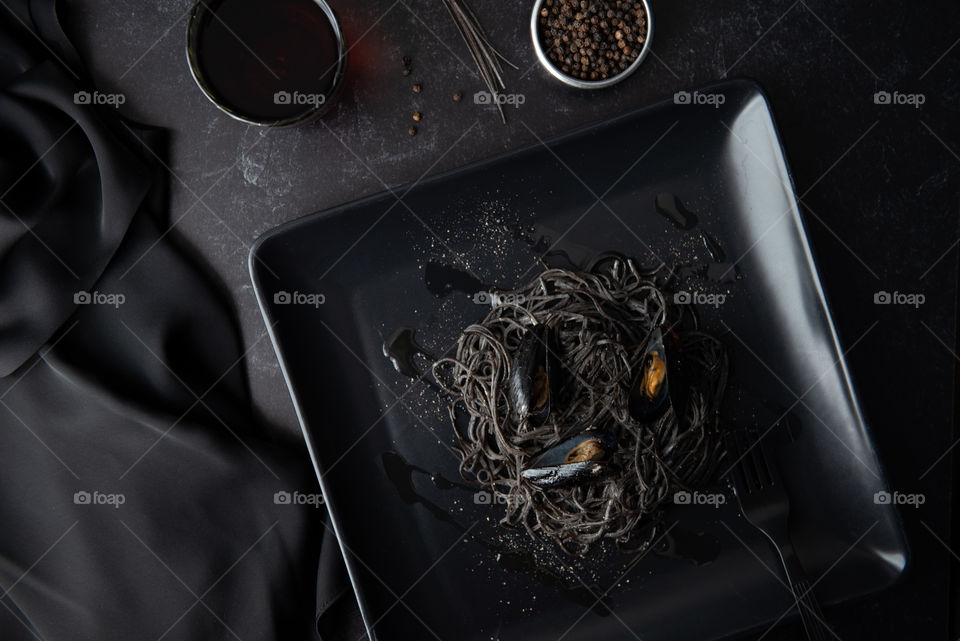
[430, 561]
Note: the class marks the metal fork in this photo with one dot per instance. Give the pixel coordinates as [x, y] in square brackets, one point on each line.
[764, 503]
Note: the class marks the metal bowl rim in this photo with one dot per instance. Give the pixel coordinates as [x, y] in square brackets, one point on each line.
[198, 11]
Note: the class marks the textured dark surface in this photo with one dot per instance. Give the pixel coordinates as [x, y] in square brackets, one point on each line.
[879, 182]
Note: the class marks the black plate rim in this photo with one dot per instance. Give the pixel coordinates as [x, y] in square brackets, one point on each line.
[748, 87]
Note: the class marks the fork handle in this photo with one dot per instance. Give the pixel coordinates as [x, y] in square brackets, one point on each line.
[810, 612]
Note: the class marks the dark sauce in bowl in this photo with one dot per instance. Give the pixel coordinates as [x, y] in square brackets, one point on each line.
[266, 61]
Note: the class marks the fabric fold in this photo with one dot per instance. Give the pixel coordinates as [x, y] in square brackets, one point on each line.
[69, 190]
[142, 497]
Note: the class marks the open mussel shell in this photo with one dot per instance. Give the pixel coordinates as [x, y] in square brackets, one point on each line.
[579, 459]
[589, 445]
[533, 376]
[569, 474]
[649, 392]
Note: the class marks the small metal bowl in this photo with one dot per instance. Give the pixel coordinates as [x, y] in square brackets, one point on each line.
[203, 8]
[576, 82]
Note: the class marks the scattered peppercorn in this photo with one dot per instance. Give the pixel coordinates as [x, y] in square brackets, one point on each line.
[417, 88]
[406, 61]
[592, 40]
[417, 116]
[405, 71]
[412, 130]
[457, 96]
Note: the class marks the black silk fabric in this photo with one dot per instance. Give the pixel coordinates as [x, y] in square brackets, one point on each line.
[140, 496]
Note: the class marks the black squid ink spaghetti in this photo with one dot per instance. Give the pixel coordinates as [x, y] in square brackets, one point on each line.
[585, 400]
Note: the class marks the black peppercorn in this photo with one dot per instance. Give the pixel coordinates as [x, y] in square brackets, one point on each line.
[592, 39]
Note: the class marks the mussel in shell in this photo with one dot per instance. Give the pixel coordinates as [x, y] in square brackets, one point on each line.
[650, 388]
[533, 376]
[567, 475]
[579, 459]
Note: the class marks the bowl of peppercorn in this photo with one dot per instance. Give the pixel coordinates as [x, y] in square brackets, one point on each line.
[591, 44]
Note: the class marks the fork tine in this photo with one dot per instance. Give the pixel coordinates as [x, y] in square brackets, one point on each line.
[758, 460]
[741, 474]
[733, 451]
[769, 470]
[748, 462]
[742, 477]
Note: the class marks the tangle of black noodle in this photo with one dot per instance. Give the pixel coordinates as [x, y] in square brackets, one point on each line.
[602, 322]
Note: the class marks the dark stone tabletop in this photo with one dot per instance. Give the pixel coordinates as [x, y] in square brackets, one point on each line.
[879, 184]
